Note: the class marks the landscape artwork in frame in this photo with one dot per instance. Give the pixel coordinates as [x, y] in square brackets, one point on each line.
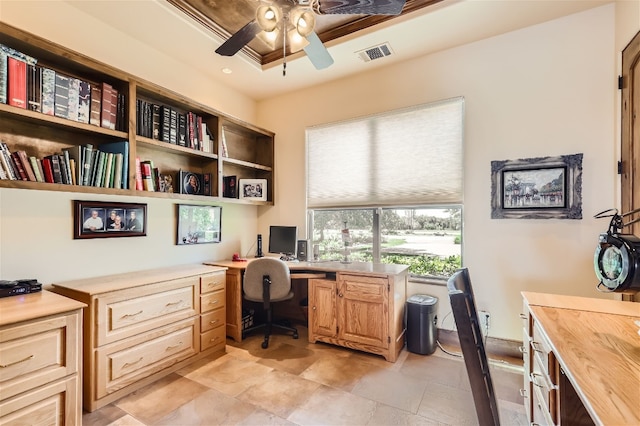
[537, 188]
[253, 189]
[97, 219]
[199, 224]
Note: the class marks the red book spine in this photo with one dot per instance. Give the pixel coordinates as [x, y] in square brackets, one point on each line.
[18, 163]
[26, 165]
[139, 185]
[113, 109]
[17, 92]
[48, 170]
[105, 113]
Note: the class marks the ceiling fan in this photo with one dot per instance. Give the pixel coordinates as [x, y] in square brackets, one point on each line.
[294, 22]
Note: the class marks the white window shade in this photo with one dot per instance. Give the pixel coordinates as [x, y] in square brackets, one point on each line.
[405, 157]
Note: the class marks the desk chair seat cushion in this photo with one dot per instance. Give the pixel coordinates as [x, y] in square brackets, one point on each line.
[278, 272]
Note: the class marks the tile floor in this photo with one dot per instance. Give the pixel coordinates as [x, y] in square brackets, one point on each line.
[294, 382]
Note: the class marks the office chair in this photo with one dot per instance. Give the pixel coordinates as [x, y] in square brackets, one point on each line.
[465, 314]
[267, 280]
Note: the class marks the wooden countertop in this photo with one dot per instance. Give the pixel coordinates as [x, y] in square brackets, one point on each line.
[125, 280]
[374, 269]
[14, 309]
[597, 344]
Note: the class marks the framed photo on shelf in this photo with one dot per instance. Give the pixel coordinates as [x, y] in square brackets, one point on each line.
[97, 219]
[199, 224]
[253, 189]
[190, 183]
[537, 188]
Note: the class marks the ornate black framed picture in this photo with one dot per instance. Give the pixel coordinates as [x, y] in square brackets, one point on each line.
[537, 188]
[199, 224]
[190, 183]
[97, 219]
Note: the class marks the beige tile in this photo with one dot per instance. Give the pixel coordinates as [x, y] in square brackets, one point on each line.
[436, 369]
[153, 402]
[287, 357]
[340, 372]
[231, 376]
[264, 418]
[447, 405]
[126, 421]
[104, 416]
[385, 415]
[280, 393]
[392, 388]
[346, 409]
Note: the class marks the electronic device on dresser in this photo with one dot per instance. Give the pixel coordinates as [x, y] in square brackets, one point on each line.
[283, 241]
[14, 288]
[303, 250]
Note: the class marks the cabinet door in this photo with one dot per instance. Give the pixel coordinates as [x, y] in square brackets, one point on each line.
[363, 309]
[322, 308]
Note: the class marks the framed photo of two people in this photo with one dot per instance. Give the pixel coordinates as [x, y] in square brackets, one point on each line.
[96, 219]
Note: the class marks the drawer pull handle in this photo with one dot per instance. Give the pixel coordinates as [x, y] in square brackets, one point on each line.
[174, 303]
[129, 364]
[533, 379]
[214, 339]
[522, 349]
[213, 302]
[16, 362]
[535, 346]
[523, 393]
[213, 322]
[174, 346]
[131, 315]
[523, 316]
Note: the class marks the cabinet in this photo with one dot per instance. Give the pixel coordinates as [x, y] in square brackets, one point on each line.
[40, 361]
[357, 311]
[142, 326]
[247, 152]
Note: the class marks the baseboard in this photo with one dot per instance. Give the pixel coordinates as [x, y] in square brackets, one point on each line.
[493, 346]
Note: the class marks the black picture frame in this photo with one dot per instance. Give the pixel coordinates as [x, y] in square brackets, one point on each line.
[110, 220]
[198, 224]
[537, 188]
[190, 183]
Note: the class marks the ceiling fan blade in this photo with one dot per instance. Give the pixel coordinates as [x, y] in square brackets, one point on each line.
[365, 7]
[239, 40]
[317, 53]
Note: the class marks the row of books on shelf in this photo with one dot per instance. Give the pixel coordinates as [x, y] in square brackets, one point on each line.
[106, 166]
[167, 124]
[150, 178]
[25, 84]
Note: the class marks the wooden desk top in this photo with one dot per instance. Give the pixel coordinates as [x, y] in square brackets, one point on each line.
[597, 344]
[372, 269]
[26, 307]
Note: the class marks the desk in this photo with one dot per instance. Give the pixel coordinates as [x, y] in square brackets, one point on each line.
[358, 305]
[582, 364]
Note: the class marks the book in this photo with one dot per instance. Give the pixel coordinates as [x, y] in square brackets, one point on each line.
[7, 163]
[139, 183]
[230, 187]
[5, 53]
[182, 129]
[17, 82]
[47, 167]
[155, 120]
[121, 119]
[96, 105]
[63, 169]
[3, 174]
[223, 139]
[84, 101]
[117, 171]
[34, 88]
[165, 123]
[36, 169]
[113, 108]
[87, 152]
[55, 167]
[17, 163]
[108, 167]
[198, 133]
[61, 107]
[48, 91]
[74, 99]
[120, 147]
[173, 128]
[206, 184]
[105, 102]
[147, 176]
[75, 154]
[65, 161]
[98, 168]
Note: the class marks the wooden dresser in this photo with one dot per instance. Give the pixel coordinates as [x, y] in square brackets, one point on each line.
[40, 360]
[143, 325]
[581, 360]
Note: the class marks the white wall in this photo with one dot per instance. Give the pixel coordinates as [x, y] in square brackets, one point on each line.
[545, 90]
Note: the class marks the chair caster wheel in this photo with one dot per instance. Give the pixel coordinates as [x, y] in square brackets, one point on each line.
[265, 344]
[295, 335]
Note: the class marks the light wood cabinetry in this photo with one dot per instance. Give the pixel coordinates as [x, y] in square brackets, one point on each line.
[143, 325]
[579, 361]
[249, 149]
[40, 360]
[357, 311]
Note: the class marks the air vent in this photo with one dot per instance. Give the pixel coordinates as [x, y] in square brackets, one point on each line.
[375, 52]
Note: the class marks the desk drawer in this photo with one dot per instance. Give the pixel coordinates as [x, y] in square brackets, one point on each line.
[212, 319]
[137, 310]
[211, 301]
[214, 338]
[124, 363]
[37, 353]
[213, 282]
[542, 350]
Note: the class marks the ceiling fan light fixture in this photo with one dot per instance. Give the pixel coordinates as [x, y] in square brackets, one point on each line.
[268, 16]
[296, 41]
[303, 19]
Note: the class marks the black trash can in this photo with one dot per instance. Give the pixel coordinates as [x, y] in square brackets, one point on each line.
[421, 320]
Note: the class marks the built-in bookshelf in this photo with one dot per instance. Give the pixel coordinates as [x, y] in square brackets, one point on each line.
[165, 132]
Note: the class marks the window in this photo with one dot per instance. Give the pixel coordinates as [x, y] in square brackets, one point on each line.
[394, 180]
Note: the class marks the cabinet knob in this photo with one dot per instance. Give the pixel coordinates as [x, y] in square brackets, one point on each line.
[340, 294]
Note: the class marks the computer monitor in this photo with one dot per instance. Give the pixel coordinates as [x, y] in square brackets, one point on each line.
[283, 240]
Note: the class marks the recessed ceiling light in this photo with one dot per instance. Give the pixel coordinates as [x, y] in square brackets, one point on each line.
[227, 70]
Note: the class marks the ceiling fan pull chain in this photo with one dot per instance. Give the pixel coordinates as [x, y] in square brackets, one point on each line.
[284, 47]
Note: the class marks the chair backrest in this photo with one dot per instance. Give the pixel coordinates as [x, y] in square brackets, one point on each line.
[278, 272]
[465, 314]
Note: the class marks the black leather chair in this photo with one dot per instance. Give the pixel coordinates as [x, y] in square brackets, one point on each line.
[465, 314]
[268, 280]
